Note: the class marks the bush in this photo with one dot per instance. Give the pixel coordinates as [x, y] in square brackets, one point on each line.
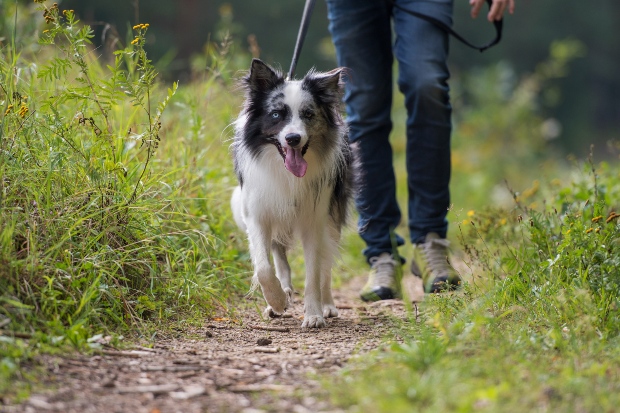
[105, 216]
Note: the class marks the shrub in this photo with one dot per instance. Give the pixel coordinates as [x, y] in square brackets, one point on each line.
[96, 232]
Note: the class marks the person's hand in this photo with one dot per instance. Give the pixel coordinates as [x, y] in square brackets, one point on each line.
[497, 8]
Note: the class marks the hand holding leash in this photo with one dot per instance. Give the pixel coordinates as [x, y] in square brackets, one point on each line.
[496, 11]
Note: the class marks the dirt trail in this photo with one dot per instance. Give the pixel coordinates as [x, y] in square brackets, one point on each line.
[222, 367]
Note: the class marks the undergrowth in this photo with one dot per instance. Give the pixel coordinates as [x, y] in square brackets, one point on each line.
[113, 196]
[536, 327]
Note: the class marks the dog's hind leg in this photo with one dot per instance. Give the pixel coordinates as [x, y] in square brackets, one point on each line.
[314, 252]
[331, 239]
[283, 269]
[260, 243]
[329, 308]
[236, 205]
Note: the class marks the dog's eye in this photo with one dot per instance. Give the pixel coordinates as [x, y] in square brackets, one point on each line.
[307, 115]
[275, 114]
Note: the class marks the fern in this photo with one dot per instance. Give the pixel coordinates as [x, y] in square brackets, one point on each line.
[56, 69]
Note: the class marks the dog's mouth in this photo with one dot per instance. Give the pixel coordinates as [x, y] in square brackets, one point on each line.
[294, 160]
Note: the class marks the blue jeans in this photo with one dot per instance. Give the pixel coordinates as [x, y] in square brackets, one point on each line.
[363, 35]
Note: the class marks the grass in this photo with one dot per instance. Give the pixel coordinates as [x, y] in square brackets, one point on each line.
[114, 219]
[114, 193]
[536, 325]
[535, 329]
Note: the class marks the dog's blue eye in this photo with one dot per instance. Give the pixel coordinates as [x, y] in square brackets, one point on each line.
[275, 115]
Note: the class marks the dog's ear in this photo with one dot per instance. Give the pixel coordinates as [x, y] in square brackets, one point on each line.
[262, 77]
[327, 87]
[332, 81]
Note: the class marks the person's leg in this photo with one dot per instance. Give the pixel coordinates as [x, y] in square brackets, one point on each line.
[361, 32]
[422, 51]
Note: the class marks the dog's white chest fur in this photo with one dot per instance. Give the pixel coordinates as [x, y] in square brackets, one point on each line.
[285, 203]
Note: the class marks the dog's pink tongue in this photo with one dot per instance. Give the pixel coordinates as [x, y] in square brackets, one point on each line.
[295, 162]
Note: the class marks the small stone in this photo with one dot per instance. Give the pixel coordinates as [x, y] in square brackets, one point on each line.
[264, 341]
[208, 334]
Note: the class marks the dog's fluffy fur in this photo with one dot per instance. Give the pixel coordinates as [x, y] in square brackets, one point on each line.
[294, 167]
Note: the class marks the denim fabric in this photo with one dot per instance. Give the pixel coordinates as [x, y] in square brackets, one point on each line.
[368, 34]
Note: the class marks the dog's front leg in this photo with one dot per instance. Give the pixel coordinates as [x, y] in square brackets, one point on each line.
[329, 308]
[332, 236]
[283, 269]
[259, 237]
[314, 250]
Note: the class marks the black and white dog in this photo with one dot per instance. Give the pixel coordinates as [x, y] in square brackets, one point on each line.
[294, 167]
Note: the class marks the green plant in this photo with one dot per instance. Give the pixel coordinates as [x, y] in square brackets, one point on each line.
[112, 192]
[535, 325]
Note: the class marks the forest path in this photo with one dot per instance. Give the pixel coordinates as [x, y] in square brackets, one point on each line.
[250, 365]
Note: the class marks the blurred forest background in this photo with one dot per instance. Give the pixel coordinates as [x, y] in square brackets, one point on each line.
[583, 104]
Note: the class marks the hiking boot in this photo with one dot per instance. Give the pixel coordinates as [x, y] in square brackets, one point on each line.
[434, 251]
[382, 282]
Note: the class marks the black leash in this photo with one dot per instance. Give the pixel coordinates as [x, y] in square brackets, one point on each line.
[301, 35]
[305, 22]
[499, 24]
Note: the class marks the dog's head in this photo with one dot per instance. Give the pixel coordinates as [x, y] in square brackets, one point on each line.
[292, 116]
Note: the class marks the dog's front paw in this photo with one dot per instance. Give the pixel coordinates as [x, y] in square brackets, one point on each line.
[313, 321]
[330, 310]
[276, 298]
[270, 313]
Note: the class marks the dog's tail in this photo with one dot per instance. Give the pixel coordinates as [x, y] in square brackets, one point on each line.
[236, 204]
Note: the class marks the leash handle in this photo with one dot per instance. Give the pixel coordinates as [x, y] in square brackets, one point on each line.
[497, 23]
[301, 35]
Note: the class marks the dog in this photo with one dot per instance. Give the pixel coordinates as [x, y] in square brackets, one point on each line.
[296, 176]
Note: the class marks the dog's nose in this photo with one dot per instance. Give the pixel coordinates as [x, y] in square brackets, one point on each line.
[293, 139]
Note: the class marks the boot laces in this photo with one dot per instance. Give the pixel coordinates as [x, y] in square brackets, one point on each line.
[436, 254]
[383, 267]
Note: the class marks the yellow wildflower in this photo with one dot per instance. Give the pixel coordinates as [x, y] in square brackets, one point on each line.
[471, 213]
[23, 111]
[589, 230]
[531, 191]
[597, 219]
[612, 216]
